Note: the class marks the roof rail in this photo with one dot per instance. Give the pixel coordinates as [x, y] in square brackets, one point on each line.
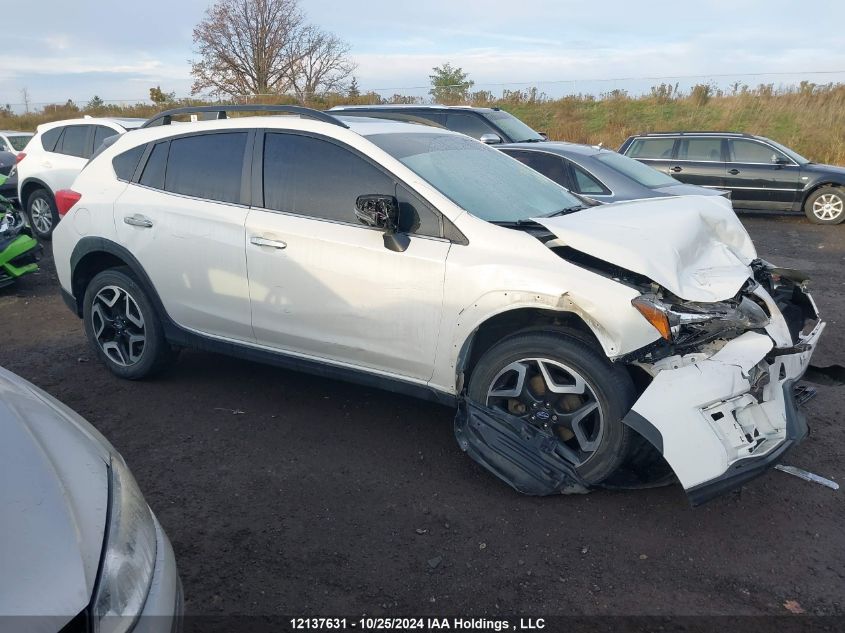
[165, 118]
[695, 132]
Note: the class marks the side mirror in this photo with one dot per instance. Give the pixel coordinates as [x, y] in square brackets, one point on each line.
[490, 139]
[382, 212]
[779, 160]
[544, 135]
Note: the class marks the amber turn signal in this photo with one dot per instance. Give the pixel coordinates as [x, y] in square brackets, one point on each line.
[653, 315]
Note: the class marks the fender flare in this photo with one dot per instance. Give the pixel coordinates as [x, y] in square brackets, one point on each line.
[91, 245]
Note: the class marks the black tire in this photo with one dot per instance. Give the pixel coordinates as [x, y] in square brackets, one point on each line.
[611, 386]
[153, 355]
[831, 213]
[45, 217]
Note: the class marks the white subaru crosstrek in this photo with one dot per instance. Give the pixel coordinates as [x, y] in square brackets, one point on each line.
[420, 260]
[52, 159]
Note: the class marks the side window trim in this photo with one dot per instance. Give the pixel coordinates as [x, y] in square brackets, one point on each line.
[774, 150]
[246, 193]
[257, 188]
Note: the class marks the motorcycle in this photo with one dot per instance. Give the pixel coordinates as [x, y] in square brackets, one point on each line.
[19, 250]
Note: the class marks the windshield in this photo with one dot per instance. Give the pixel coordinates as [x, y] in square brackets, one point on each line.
[482, 180]
[635, 170]
[793, 155]
[513, 127]
[19, 141]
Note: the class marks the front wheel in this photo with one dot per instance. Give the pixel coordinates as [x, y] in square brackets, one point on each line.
[123, 327]
[561, 384]
[826, 206]
[42, 213]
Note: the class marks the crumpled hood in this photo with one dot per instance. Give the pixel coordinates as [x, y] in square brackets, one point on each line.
[54, 497]
[694, 246]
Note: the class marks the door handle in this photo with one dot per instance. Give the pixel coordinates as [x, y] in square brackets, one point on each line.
[263, 241]
[138, 220]
[676, 169]
[733, 172]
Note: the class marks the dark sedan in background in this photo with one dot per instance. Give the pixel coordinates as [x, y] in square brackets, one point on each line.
[600, 173]
[759, 173]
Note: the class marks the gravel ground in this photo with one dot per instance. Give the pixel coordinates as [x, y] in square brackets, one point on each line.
[287, 494]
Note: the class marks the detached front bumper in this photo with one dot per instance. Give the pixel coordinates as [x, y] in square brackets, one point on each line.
[722, 420]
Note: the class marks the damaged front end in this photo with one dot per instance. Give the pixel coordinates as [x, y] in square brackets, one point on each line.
[720, 404]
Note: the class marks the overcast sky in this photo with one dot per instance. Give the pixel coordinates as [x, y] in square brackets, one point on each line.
[59, 50]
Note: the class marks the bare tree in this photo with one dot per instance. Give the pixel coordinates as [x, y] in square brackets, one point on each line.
[318, 63]
[25, 98]
[243, 46]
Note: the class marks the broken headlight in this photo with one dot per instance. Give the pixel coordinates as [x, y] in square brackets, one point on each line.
[688, 322]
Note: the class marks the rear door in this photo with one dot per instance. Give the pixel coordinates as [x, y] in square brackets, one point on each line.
[321, 283]
[183, 219]
[700, 161]
[761, 177]
[656, 152]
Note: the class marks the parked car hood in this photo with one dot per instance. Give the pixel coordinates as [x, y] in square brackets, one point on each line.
[826, 169]
[54, 497]
[694, 246]
[682, 189]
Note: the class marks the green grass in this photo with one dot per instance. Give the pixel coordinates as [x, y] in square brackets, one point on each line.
[810, 119]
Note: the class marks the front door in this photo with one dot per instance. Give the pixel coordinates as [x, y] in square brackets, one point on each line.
[761, 177]
[322, 284]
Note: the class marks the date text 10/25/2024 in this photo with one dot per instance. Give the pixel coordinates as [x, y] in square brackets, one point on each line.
[417, 624]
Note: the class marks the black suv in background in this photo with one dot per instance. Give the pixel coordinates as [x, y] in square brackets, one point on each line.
[490, 125]
[759, 173]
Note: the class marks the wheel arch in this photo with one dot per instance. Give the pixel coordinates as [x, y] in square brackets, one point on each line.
[29, 186]
[818, 185]
[517, 320]
[92, 255]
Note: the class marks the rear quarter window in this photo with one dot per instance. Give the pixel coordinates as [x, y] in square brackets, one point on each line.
[50, 137]
[125, 164]
[651, 148]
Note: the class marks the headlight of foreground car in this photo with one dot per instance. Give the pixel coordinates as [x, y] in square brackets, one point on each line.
[701, 320]
[129, 557]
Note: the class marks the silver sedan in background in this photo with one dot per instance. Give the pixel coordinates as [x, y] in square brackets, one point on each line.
[79, 546]
[599, 173]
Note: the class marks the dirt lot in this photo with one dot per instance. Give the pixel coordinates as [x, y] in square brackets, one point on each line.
[286, 494]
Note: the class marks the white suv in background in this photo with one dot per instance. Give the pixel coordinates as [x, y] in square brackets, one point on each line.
[53, 158]
[574, 340]
[13, 141]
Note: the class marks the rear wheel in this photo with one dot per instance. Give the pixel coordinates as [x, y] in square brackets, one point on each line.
[561, 384]
[826, 206]
[123, 327]
[42, 213]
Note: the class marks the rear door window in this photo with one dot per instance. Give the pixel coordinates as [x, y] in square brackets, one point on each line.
[75, 141]
[701, 150]
[659, 148]
[207, 166]
[153, 174]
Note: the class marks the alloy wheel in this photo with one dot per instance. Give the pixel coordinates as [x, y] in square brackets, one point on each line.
[828, 206]
[118, 325]
[41, 215]
[552, 395]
